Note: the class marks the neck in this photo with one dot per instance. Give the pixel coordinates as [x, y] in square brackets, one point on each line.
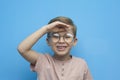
[62, 58]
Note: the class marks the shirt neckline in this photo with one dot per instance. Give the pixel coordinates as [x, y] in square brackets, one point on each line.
[63, 61]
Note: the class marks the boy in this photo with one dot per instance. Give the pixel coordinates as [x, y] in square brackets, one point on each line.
[61, 36]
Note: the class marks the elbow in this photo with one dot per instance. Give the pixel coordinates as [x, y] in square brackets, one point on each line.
[20, 49]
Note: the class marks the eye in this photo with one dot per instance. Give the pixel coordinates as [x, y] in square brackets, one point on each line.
[68, 35]
[55, 35]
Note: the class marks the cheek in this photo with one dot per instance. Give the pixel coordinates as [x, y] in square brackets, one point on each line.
[70, 45]
[53, 46]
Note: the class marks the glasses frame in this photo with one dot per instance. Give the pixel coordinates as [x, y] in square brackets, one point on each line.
[50, 35]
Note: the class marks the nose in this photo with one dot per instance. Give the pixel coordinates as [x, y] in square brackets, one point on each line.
[61, 40]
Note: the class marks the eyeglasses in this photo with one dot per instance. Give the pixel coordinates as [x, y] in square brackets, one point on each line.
[55, 37]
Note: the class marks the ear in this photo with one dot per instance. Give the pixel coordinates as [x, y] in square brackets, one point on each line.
[75, 41]
[47, 40]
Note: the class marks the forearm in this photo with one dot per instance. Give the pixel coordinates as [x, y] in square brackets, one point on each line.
[27, 44]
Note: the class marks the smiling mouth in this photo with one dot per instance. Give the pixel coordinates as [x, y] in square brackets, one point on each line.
[61, 48]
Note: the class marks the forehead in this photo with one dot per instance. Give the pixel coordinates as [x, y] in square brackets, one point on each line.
[61, 32]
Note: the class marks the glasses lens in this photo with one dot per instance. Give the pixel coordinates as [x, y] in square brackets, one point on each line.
[68, 37]
[55, 37]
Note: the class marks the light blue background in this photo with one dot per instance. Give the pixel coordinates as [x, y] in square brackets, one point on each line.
[98, 23]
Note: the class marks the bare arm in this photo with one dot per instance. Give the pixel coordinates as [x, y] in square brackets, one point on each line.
[25, 47]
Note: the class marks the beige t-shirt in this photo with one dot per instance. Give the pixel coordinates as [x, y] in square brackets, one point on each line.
[48, 68]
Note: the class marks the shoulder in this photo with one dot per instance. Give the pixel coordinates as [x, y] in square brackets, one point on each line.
[44, 55]
[79, 61]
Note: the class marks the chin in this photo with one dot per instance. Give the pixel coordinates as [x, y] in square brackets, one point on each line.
[61, 53]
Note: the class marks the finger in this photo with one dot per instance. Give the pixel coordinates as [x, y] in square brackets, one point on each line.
[61, 24]
[58, 29]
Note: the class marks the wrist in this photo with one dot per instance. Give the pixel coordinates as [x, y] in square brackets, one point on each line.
[45, 29]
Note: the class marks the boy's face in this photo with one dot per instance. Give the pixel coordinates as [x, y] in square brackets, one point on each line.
[62, 42]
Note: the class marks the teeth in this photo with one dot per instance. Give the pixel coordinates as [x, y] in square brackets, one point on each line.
[61, 48]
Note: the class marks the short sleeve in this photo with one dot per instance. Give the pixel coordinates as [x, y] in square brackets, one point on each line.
[87, 74]
[34, 67]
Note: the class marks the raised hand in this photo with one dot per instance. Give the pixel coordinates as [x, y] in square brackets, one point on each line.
[58, 27]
